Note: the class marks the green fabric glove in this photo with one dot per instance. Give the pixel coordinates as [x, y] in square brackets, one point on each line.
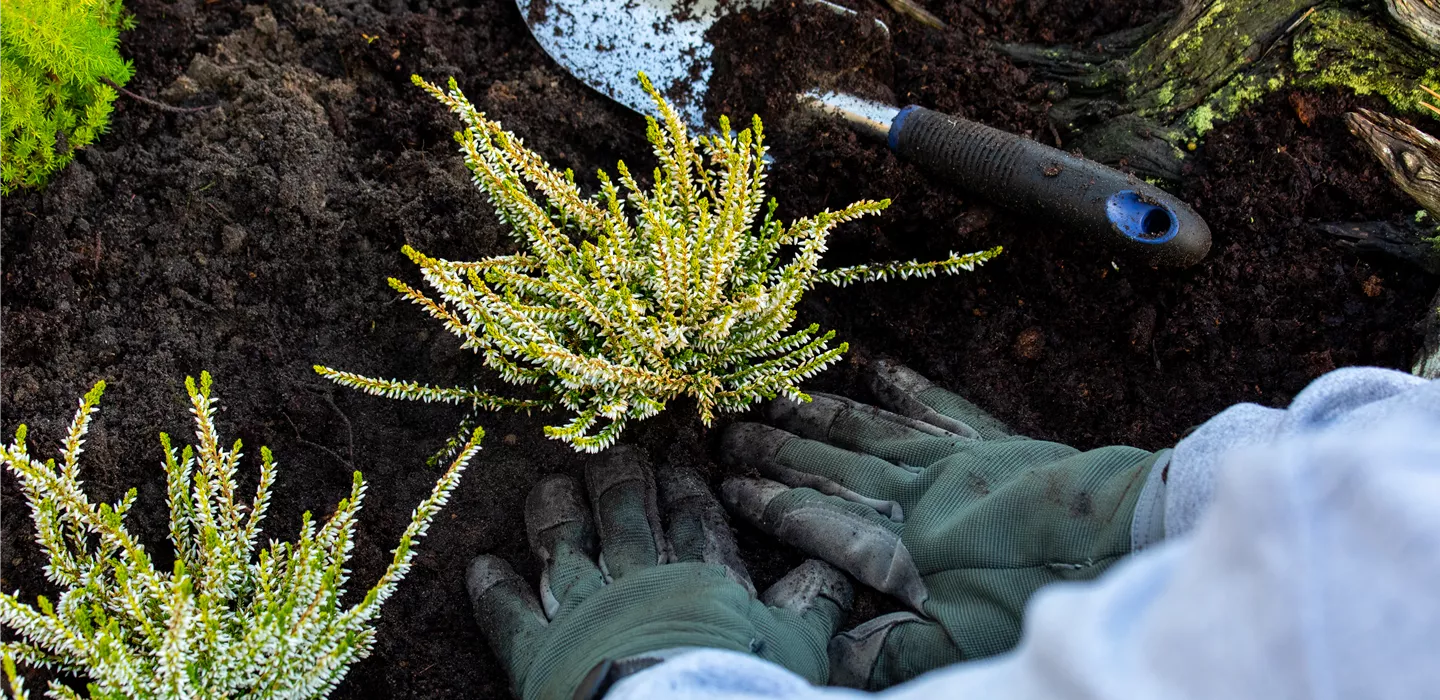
[940, 507]
[650, 594]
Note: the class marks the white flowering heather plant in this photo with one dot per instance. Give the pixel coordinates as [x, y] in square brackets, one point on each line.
[616, 304]
[231, 619]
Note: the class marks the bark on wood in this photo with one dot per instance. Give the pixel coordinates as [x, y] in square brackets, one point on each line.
[1410, 156]
[1203, 49]
[1404, 241]
[1421, 18]
[1147, 94]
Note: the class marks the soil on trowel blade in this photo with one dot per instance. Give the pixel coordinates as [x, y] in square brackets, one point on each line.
[253, 240]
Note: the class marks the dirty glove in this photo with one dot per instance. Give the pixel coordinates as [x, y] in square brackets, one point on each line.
[937, 505]
[649, 595]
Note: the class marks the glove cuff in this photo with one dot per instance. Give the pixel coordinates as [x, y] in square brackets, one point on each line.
[608, 672]
[1147, 527]
[854, 653]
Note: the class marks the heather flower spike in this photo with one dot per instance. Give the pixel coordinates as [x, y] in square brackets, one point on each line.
[233, 617]
[618, 302]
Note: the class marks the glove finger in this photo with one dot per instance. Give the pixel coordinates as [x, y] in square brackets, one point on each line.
[818, 592]
[622, 491]
[696, 527]
[562, 537]
[811, 603]
[506, 611]
[906, 392]
[888, 650]
[855, 426]
[847, 535]
[860, 478]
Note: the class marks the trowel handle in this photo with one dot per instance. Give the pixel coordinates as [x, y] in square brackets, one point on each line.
[1047, 183]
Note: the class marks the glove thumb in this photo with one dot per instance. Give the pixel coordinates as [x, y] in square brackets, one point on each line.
[810, 603]
[889, 650]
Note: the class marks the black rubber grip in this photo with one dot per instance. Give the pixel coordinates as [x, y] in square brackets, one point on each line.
[1036, 180]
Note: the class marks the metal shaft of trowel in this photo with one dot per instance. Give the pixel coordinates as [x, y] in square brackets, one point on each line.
[1031, 178]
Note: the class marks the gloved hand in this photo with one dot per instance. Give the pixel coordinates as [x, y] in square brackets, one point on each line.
[651, 594]
[936, 504]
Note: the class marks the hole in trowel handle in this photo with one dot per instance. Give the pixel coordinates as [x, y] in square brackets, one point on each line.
[1139, 218]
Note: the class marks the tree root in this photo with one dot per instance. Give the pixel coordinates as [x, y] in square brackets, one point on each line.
[1407, 241]
[155, 103]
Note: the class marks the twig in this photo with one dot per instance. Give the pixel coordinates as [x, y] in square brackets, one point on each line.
[1434, 94]
[316, 445]
[222, 214]
[1297, 22]
[154, 103]
[1288, 30]
[349, 429]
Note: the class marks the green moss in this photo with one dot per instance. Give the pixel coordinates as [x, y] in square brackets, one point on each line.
[1187, 43]
[54, 58]
[1201, 120]
[1337, 49]
[1242, 91]
[1166, 94]
[1341, 48]
[1182, 67]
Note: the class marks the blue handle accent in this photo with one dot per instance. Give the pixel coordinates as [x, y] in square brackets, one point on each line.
[1141, 220]
[897, 124]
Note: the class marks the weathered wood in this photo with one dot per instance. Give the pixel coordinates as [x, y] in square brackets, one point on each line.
[1174, 79]
[1404, 241]
[1410, 156]
[1368, 53]
[1167, 68]
[1203, 49]
[1420, 18]
[1428, 363]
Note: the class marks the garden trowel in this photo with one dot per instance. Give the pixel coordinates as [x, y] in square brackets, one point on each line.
[605, 43]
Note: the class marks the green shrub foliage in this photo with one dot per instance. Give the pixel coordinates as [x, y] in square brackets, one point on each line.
[54, 57]
[232, 617]
[617, 303]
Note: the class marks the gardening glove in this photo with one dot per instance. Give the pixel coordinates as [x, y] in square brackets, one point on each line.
[649, 595]
[938, 505]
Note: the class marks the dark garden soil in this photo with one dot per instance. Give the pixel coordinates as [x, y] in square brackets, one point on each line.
[254, 239]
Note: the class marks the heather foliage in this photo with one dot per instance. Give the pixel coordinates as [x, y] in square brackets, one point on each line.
[231, 618]
[619, 302]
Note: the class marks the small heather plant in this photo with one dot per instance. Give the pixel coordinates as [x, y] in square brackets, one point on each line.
[55, 59]
[230, 619]
[617, 303]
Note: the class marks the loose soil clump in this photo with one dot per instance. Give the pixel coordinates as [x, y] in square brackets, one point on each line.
[254, 239]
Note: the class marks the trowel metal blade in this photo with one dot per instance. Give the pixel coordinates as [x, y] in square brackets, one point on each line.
[605, 43]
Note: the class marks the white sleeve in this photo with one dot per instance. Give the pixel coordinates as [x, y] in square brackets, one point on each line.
[1353, 399]
[1311, 574]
